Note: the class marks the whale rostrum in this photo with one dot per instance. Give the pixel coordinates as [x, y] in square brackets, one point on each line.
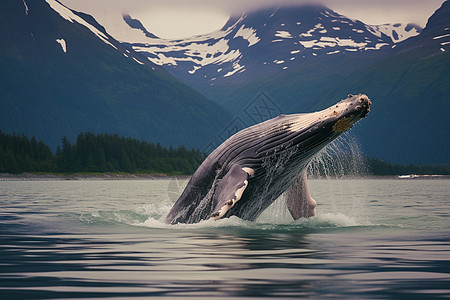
[252, 168]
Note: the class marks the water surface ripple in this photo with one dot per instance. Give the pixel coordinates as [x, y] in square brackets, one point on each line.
[371, 239]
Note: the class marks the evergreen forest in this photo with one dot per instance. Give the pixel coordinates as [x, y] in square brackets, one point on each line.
[95, 153]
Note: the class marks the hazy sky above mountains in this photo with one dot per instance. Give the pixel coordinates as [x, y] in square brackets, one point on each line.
[183, 18]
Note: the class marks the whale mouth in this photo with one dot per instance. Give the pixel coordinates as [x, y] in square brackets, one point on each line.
[344, 124]
[352, 110]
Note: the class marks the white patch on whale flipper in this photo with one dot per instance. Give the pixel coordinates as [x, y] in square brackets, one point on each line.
[230, 190]
[249, 171]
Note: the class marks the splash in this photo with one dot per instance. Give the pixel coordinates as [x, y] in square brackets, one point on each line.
[341, 158]
[338, 205]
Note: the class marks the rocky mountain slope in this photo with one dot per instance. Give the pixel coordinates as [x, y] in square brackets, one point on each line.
[62, 73]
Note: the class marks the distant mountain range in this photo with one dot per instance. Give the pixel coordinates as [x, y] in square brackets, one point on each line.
[265, 42]
[62, 73]
[305, 58]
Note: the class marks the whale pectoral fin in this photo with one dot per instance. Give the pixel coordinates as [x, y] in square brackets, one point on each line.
[230, 190]
[298, 200]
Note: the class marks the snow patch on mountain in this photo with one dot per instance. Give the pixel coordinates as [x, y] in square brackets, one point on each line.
[71, 17]
[257, 41]
[330, 34]
[62, 43]
[200, 54]
[26, 7]
[248, 34]
[283, 34]
[200, 51]
[139, 62]
[444, 40]
[441, 36]
[397, 32]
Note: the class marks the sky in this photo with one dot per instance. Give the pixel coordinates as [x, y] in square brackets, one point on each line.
[184, 18]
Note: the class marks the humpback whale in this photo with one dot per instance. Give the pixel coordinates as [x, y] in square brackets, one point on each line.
[252, 168]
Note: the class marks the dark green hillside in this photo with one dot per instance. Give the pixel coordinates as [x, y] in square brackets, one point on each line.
[47, 93]
[410, 92]
[294, 88]
[411, 100]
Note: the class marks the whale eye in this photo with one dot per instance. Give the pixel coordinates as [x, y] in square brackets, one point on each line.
[219, 167]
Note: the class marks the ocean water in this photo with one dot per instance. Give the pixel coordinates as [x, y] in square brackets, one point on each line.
[371, 239]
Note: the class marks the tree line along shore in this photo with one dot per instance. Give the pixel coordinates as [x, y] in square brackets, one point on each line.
[93, 153]
[110, 153]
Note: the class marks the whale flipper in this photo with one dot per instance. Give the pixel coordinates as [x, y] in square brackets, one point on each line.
[230, 190]
[298, 200]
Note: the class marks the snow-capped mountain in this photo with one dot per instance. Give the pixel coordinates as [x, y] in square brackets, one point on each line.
[91, 24]
[61, 74]
[436, 34]
[266, 41]
[399, 32]
[410, 90]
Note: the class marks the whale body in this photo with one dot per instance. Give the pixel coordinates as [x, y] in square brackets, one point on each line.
[252, 168]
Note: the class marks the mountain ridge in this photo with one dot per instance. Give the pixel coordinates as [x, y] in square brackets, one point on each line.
[399, 77]
[290, 33]
[62, 75]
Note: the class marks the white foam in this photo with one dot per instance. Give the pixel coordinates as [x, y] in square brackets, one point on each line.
[337, 219]
[221, 223]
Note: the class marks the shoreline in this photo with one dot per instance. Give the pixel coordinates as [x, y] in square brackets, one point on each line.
[82, 176]
[143, 176]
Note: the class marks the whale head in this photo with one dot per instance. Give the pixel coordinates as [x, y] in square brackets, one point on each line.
[310, 132]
